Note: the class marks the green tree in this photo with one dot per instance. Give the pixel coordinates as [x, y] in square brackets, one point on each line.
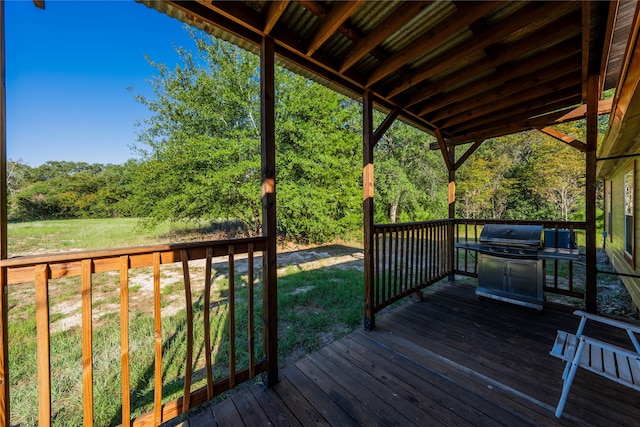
[411, 179]
[200, 149]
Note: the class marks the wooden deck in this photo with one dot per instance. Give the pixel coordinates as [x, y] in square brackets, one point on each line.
[450, 360]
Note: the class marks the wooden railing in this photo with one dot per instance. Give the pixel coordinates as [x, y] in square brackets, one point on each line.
[560, 275]
[194, 265]
[407, 258]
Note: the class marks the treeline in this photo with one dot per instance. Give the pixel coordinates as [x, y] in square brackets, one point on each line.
[198, 158]
[62, 190]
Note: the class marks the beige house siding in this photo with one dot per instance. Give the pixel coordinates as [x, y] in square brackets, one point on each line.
[615, 242]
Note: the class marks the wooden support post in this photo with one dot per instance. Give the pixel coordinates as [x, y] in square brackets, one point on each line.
[449, 155]
[4, 307]
[367, 206]
[592, 138]
[452, 212]
[268, 149]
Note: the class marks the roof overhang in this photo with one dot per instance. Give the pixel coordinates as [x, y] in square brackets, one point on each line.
[623, 134]
[470, 70]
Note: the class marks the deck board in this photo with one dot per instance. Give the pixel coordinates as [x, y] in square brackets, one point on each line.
[452, 360]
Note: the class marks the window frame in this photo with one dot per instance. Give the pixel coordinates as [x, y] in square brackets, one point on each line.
[629, 196]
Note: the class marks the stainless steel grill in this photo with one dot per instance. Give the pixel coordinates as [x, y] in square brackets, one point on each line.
[510, 260]
[509, 268]
[511, 241]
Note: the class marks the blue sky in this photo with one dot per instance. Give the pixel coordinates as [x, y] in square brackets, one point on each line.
[68, 70]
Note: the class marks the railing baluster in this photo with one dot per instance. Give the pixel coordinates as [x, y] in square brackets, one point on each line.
[250, 310]
[376, 267]
[157, 326]
[383, 261]
[87, 347]
[390, 261]
[395, 266]
[188, 371]
[432, 251]
[124, 337]
[43, 344]
[401, 264]
[207, 322]
[421, 256]
[232, 320]
[412, 266]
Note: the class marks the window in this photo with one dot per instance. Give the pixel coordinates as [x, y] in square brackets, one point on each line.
[629, 202]
[609, 210]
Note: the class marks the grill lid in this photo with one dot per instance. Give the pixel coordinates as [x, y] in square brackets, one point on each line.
[509, 234]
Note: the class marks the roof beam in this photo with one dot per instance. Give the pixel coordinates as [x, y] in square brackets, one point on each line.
[391, 24]
[562, 29]
[557, 117]
[508, 88]
[275, 11]
[557, 89]
[578, 113]
[483, 38]
[466, 14]
[338, 15]
[608, 40]
[520, 121]
[567, 139]
[586, 44]
[504, 75]
[236, 12]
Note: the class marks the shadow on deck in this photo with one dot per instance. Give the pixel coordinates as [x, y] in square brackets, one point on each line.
[451, 360]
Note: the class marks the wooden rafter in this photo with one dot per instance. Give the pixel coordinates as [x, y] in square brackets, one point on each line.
[339, 14]
[586, 43]
[561, 29]
[470, 53]
[608, 34]
[319, 10]
[518, 122]
[467, 13]
[547, 120]
[276, 9]
[395, 21]
[518, 75]
[520, 101]
[520, 86]
[39, 3]
[484, 37]
[578, 113]
[567, 139]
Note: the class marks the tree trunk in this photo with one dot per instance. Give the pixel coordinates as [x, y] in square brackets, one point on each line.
[393, 211]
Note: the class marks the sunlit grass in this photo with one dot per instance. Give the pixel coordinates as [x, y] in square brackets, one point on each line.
[315, 307]
[84, 234]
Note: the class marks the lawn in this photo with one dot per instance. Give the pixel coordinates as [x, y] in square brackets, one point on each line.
[320, 293]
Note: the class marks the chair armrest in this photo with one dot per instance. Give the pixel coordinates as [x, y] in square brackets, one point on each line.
[607, 321]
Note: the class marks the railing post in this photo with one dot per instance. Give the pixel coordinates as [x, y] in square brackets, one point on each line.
[367, 205]
[268, 149]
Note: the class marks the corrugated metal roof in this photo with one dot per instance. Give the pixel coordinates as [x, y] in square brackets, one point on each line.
[410, 66]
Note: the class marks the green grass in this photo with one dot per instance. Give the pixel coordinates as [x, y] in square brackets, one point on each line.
[86, 234]
[315, 307]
